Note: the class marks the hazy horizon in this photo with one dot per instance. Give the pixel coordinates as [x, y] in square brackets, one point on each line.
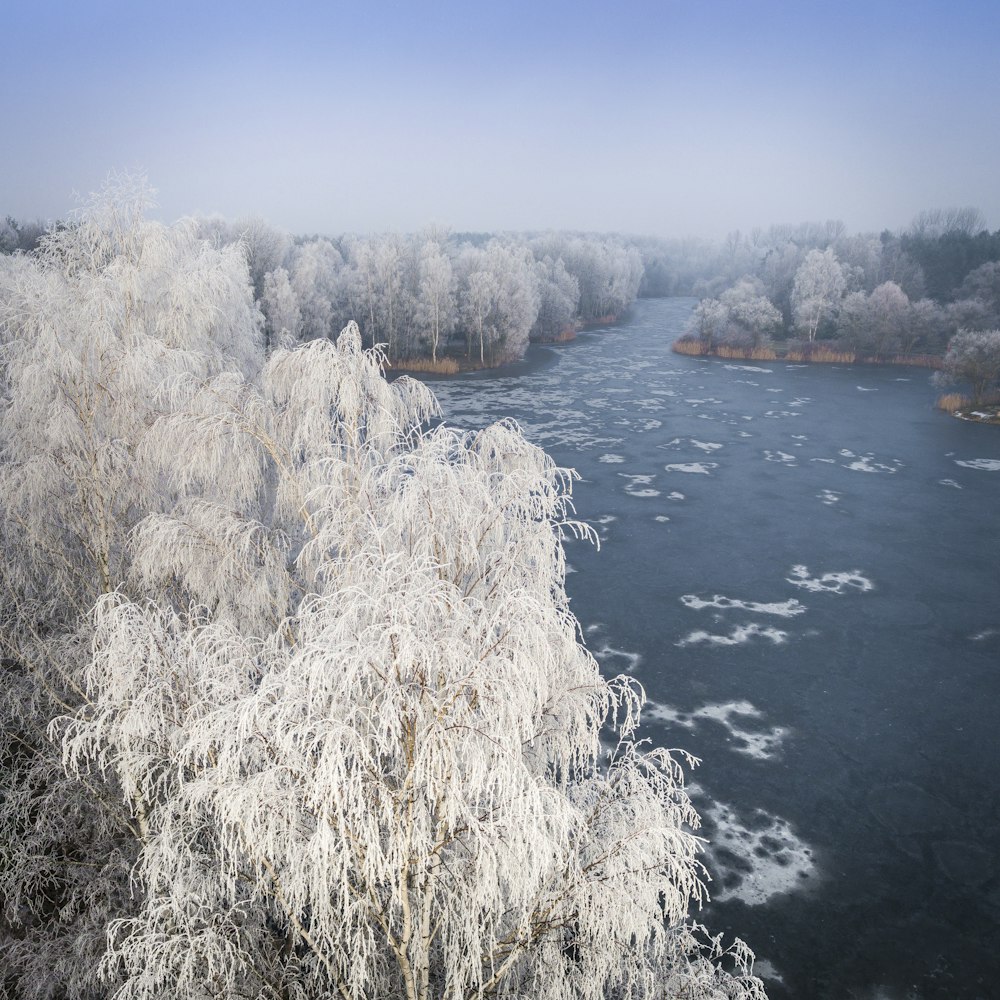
[656, 118]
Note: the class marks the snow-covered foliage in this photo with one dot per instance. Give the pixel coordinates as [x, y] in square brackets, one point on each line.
[297, 706]
[974, 357]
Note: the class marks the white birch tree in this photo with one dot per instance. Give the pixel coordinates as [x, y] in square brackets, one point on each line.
[819, 286]
[435, 306]
[330, 702]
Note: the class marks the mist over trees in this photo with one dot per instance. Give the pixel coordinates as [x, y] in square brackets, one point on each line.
[874, 295]
[428, 294]
[295, 705]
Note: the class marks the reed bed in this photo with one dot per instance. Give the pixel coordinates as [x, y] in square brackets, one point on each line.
[443, 366]
[822, 355]
[746, 353]
[953, 402]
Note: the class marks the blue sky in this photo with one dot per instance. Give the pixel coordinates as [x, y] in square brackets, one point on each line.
[663, 117]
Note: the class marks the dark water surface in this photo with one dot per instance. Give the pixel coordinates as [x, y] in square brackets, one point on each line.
[800, 564]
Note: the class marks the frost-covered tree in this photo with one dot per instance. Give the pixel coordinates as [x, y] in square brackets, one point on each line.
[396, 786]
[973, 356]
[90, 327]
[819, 285]
[749, 312]
[327, 722]
[558, 298]
[435, 306]
[280, 306]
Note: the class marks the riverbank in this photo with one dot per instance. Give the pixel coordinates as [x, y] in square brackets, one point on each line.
[802, 353]
[459, 364]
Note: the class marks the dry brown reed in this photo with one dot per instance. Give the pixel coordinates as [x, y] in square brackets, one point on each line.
[443, 366]
[746, 353]
[693, 347]
[823, 355]
[953, 402]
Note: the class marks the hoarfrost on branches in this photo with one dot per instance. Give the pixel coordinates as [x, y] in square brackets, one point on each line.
[330, 705]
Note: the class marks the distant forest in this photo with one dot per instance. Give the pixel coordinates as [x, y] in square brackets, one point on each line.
[437, 299]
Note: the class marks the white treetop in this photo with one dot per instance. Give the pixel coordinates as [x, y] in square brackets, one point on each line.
[330, 700]
[819, 286]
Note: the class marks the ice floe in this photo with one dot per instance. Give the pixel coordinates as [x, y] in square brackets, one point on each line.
[611, 459]
[783, 609]
[702, 468]
[986, 464]
[832, 583]
[748, 368]
[867, 463]
[739, 636]
[828, 497]
[781, 457]
[734, 716]
[706, 446]
[757, 859]
[949, 482]
[638, 485]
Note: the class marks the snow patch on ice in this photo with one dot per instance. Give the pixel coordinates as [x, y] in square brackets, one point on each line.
[739, 636]
[987, 633]
[986, 464]
[783, 609]
[701, 468]
[832, 583]
[755, 860]
[638, 485]
[617, 659]
[761, 744]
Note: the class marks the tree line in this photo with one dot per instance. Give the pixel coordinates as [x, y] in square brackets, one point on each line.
[872, 294]
[425, 296]
[294, 702]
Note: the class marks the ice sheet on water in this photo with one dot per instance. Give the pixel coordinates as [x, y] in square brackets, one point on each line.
[611, 459]
[638, 485]
[985, 464]
[861, 388]
[674, 495]
[694, 468]
[613, 659]
[757, 742]
[706, 446]
[661, 517]
[831, 583]
[783, 609]
[781, 414]
[867, 463]
[828, 497]
[739, 636]
[756, 859]
[748, 368]
[781, 457]
[949, 482]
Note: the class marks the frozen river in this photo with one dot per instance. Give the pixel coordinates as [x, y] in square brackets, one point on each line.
[802, 567]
